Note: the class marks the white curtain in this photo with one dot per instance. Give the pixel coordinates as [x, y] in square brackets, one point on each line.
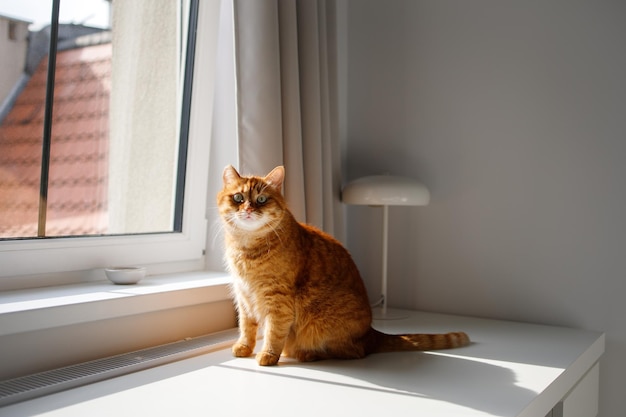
[286, 92]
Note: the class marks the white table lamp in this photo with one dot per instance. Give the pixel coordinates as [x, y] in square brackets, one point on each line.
[385, 191]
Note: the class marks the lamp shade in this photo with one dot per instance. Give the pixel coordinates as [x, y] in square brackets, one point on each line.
[386, 190]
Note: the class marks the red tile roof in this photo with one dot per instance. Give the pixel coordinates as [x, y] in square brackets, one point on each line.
[77, 193]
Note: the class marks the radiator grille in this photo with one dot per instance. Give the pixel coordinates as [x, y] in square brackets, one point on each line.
[48, 382]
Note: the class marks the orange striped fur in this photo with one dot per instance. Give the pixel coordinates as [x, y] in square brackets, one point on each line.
[298, 283]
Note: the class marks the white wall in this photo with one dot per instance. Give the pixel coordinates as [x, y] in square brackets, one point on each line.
[514, 115]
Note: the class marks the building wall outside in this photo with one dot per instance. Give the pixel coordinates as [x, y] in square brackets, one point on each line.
[13, 47]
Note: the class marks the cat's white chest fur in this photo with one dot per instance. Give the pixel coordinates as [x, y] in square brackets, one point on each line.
[246, 297]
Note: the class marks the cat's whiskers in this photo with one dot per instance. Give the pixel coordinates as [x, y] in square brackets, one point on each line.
[276, 229]
[217, 229]
[231, 220]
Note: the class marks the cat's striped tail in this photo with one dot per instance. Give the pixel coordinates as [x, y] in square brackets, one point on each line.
[378, 342]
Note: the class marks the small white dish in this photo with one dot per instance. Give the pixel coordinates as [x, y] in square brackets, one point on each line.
[125, 275]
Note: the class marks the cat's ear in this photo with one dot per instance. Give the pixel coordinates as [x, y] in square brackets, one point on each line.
[276, 178]
[230, 175]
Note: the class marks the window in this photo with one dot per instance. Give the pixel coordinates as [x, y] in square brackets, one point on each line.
[127, 172]
[12, 31]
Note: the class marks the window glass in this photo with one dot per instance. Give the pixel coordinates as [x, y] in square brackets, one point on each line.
[115, 121]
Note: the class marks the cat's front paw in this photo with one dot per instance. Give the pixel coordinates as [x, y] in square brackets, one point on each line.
[241, 350]
[267, 358]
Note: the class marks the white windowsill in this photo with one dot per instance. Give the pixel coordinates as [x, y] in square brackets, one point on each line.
[43, 308]
[512, 369]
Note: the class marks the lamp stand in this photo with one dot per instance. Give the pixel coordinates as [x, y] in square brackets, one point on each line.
[383, 313]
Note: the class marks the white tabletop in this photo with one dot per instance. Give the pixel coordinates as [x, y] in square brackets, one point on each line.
[511, 369]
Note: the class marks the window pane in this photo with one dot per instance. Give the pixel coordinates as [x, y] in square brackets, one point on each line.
[78, 177]
[115, 124]
[22, 95]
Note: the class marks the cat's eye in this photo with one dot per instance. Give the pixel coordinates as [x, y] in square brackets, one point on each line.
[261, 199]
[238, 198]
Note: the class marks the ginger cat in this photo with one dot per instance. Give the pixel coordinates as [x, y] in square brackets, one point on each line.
[299, 283]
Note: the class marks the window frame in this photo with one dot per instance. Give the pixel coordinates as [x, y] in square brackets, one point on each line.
[52, 256]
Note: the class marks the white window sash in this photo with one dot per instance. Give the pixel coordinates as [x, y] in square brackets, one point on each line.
[45, 256]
